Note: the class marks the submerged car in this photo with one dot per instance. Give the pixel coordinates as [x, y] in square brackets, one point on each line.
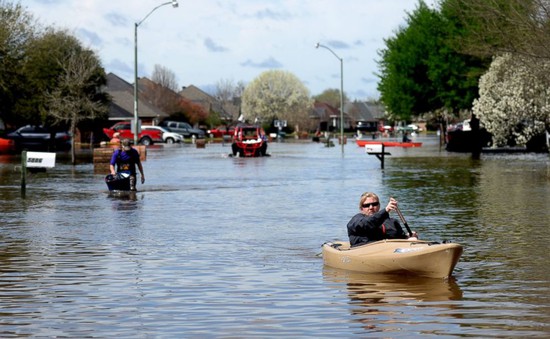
[40, 138]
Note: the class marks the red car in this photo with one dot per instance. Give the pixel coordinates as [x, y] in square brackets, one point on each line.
[221, 131]
[146, 137]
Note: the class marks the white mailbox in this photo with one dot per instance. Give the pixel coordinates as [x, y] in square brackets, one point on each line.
[373, 148]
[40, 159]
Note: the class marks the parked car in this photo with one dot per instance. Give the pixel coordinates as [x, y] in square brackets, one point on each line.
[39, 138]
[146, 137]
[183, 128]
[221, 131]
[168, 136]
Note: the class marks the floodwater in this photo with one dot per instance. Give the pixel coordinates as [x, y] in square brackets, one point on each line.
[219, 247]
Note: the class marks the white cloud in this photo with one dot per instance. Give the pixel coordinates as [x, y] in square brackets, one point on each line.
[212, 46]
[203, 42]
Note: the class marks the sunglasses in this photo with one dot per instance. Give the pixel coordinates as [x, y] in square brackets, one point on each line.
[373, 204]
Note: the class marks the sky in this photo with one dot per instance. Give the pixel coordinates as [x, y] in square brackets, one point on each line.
[205, 42]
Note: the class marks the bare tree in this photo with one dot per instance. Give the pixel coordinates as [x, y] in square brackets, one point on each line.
[225, 90]
[165, 78]
[77, 96]
[239, 89]
[162, 89]
[331, 96]
[229, 94]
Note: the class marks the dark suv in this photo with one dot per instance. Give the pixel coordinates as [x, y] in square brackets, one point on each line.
[183, 128]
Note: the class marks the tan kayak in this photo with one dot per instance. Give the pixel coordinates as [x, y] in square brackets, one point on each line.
[421, 258]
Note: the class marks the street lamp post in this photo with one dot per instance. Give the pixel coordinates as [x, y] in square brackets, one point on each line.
[341, 94]
[174, 4]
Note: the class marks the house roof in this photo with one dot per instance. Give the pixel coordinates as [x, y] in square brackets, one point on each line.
[364, 111]
[122, 107]
[194, 94]
[323, 111]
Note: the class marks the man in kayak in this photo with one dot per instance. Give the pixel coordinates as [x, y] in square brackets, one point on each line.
[126, 158]
[373, 224]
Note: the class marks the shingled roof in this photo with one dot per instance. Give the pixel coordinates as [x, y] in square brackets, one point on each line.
[197, 96]
[122, 107]
[364, 111]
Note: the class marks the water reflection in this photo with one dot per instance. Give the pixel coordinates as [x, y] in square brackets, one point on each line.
[367, 290]
[124, 200]
[381, 303]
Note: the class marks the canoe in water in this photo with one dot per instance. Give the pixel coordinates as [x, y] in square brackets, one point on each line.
[363, 143]
[395, 256]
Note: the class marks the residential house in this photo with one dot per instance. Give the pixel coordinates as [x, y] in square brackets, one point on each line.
[365, 116]
[159, 96]
[327, 117]
[226, 111]
[122, 106]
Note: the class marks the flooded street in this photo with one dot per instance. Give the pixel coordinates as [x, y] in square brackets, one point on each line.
[214, 246]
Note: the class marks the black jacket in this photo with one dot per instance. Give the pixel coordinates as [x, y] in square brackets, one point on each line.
[363, 229]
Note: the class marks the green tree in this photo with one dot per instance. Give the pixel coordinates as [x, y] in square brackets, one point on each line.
[493, 27]
[277, 94]
[421, 71]
[16, 31]
[42, 69]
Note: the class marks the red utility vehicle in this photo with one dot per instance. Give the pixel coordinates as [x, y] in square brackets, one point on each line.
[249, 141]
[146, 137]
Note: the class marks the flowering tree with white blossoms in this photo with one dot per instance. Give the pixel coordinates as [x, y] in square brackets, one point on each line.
[514, 99]
[277, 94]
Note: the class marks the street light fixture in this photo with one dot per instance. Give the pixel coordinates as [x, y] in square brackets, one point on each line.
[136, 128]
[341, 94]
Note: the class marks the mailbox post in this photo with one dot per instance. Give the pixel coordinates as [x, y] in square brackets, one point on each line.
[34, 160]
[378, 150]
